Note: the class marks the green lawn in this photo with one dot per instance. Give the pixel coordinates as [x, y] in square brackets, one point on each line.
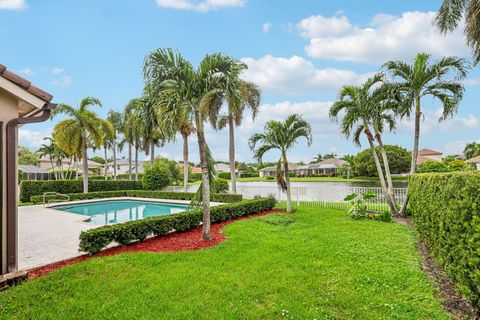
[315, 264]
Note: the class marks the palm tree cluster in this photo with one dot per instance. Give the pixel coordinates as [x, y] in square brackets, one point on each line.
[472, 150]
[187, 98]
[377, 105]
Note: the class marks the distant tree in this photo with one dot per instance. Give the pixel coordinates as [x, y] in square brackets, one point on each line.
[451, 14]
[27, 157]
[433, 166]
[317, 158]
[98, 159]
[398, 158]
[155, 177]
[329, 156]
[472, 150]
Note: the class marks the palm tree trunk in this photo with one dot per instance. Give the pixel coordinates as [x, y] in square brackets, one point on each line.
[205, 179]
[231, 154]
[115, 160]
[185, 161]
[85, 166]
[130, 162]
[388, 175]
[136, 161]
[105, 167]
[416, 139]
[287, 180]
[152, 153]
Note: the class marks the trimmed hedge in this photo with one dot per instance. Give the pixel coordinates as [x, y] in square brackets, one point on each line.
[94, 240]
[446, 210]
[215, 197]
[29, 188]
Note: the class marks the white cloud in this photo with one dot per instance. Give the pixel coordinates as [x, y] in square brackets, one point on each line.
[297, 75]
[13, 4]
[57, 71]
[430, 123]
[471, 82]
[27, 71]
[63, 81]
[32, 139]
[457, 147]
[319, 26]
[266, 27]
[386, 37]
[202, 6]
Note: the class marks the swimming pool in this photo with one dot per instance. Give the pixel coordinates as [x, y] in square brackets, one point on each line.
[118, 211]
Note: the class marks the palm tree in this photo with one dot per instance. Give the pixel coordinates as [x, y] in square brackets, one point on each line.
[130, 130]
[281, 136]
[317, 158]
[471, 150]
[108, 142]
[239, 95]
[199, 92]
[356, 102]
[83, 125]
[452, 12]
[116, 119]
[422, 79]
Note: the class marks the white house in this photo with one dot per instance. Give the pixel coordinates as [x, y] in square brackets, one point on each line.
[222, 167]
[428, 154]
[475, 161]
[272, 171]
[325, 167]
[123, 168]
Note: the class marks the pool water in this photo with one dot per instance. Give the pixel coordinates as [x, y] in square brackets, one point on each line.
[118, 211]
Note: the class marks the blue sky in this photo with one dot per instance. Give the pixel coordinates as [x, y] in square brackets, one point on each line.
[299, 53]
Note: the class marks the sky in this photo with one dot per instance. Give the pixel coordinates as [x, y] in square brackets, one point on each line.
[300, 53]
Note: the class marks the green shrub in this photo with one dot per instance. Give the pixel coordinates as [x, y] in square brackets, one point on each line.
[446, 210]
[155, 177]
[432, 166]
[96, 239]
[220, 186]
[124, 176]
[215, 197]
[192, 177]
[224, 175]
[29, 188]
[270, 178]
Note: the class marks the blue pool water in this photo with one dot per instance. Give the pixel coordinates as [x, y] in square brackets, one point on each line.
[118, 211]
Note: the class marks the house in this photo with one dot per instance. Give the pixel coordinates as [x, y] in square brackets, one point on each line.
[192, 169]
[123, 166]
[428, 154]
[29, 172]
[475, 161]
[67, 164]
[328, 167]
[21, 103]
[222, 167]
[272, 171]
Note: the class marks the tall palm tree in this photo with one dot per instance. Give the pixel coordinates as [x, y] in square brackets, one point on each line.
[116, 119]
[471, 150]
[317, 158]
[108, 141]
[452, 12]
[239, 95]
[281, 136]
[424, 78]
[130, 130]
[199, 91]
[83, 125]
[356, 102]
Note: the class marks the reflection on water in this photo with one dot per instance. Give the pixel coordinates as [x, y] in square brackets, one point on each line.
[113, 212]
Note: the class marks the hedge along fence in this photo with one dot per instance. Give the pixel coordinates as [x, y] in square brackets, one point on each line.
[37, 188]
[94, 240]
[215, 197]
[446, 210]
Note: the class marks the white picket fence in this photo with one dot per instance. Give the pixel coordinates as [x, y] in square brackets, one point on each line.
[327, 196]
[324, 197]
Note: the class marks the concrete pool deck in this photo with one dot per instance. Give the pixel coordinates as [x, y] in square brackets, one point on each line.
[47, 235]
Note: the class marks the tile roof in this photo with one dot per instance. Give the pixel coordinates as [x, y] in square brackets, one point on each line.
[474, 160]
[25, 84]
[428, 152]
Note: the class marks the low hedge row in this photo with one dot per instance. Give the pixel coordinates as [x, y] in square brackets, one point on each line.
[215, 197]
[29, 188]
[446, 210]
[94, 240]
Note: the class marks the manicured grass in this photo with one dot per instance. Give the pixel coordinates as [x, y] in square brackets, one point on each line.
[314, 264]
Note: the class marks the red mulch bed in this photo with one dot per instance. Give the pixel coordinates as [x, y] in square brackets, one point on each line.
[173, 242]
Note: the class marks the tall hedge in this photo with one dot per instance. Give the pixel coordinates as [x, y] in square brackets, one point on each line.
[30, 188]
[446, 210]
[96, 239]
